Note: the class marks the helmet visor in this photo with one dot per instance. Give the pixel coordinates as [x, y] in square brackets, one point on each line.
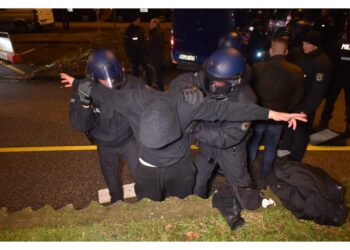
[112, 76]
[221, 88]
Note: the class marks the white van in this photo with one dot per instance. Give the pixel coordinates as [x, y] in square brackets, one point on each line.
[24, 20]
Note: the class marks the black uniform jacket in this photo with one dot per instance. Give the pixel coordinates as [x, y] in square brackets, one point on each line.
[278, 84]
[156, 46]
[220, 134]
[131, 103]
[318, 69]
[102, 124]
[134, 42]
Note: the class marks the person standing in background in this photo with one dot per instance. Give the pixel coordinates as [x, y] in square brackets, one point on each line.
[135, 46]
[156, 51]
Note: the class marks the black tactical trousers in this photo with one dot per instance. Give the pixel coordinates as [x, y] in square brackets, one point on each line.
[109, 158]
[232, 161]
[339, 81]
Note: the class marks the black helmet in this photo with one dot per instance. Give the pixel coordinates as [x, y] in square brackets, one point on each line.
[282, 32]
[231, 40]
[103, 65]
[224, 71]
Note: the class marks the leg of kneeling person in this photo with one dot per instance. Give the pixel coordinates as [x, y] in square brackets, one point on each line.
[179, 178]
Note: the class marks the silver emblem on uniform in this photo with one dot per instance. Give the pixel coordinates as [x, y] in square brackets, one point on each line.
[245, 126]
[319, 77]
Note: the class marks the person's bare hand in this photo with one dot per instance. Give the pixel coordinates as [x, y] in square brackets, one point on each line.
[67, 80]
[291, 118]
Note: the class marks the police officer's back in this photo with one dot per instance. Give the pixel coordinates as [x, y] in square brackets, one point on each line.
[279, 85]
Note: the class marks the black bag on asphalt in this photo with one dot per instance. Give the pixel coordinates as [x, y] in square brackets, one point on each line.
[310, 193]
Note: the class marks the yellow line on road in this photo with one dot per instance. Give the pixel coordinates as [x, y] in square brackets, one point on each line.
[13, 68]
[309, 148]
[93, 147]
[47, 149]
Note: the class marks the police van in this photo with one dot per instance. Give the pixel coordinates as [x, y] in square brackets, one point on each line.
[195, 34]
[25, 20]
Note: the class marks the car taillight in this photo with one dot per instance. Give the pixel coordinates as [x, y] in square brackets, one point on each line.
[172, 41]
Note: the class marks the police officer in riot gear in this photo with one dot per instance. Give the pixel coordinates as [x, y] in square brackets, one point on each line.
[105, 127]
[231, 40]
[224, 78]
[223, 144]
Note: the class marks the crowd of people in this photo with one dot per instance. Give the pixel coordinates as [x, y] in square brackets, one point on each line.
[229, 107]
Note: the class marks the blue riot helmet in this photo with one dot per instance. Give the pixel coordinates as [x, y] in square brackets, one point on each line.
[104, 67]
[223, 71]
[231, 40]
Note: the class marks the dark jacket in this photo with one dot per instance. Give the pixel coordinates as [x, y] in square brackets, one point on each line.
[278, 84]
[341, 56]
[318, 69]
[134, 43]
[156, 46]
[102, 124]
[221, 134]
[131, 103]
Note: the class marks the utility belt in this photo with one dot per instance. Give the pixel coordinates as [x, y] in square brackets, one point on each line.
[212, 160]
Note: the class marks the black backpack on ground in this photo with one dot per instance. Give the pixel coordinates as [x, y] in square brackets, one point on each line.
[309, 192]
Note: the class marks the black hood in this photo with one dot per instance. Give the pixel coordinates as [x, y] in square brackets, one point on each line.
[159, 124]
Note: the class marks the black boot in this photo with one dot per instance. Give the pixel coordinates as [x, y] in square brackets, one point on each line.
[234, 218]
[228, 206]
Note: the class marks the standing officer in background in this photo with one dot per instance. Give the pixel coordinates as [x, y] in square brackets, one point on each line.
[156, 51]
[317, 69]
[279, 85]
[105, 127]
[222, 144]
[135, 48]
[341, 79]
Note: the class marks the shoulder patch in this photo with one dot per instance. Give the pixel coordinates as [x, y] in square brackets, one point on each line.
[319, 77]
[245, 126]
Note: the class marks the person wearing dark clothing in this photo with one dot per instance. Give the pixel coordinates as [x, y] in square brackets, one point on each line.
[165, 146]
[156, 51]
[222, 144]
[328, 30]
[135, 46]
[294, 47]
[340, 80]
[317, 69]
[65, 18]
[258, 43]
[279, 85]
[104, 126]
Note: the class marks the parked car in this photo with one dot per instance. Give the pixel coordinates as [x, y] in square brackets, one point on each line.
[24, 20]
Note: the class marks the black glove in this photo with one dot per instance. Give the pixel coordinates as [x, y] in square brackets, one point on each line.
[84, 92]
[192, 94]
